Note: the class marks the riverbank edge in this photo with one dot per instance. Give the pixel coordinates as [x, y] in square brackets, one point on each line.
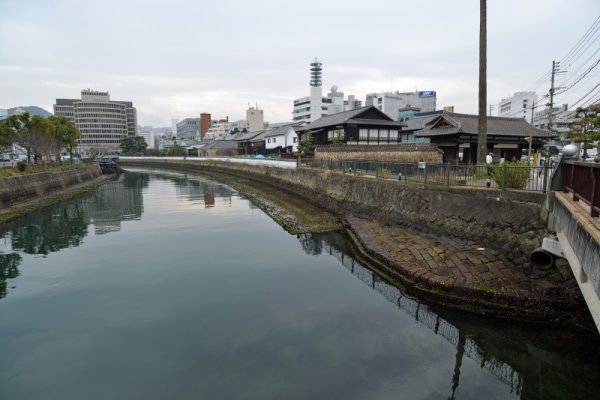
[87, 180]
[477, 300]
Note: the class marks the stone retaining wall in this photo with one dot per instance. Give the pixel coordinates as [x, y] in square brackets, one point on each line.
[411, 153]
[510, 222]
[25, 187]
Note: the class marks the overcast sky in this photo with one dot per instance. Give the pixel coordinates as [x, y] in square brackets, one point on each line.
[175, 59]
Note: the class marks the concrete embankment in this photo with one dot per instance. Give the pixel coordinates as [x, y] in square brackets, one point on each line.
[20, 195]
[466, 248]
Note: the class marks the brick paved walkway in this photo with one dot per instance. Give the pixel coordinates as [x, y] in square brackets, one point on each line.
[457, 266]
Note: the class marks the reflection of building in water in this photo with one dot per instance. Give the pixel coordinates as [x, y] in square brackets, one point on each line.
[65, 224]
[198, 190]
[112, 203]
[209, 199]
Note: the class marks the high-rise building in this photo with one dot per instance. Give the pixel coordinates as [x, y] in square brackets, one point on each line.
[148, 138]
[255, 118]
[188, 131]
[392, 102]
[102, 122]
[519, 105]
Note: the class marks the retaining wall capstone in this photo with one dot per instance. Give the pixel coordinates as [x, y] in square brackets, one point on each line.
[510, 222]
[26, 187]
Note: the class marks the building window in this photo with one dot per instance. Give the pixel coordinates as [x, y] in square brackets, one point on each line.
[295, 140]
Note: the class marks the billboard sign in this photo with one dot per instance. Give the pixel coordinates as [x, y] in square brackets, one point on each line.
[429, 93]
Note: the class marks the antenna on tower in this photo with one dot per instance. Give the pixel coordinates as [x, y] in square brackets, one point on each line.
[315, 73]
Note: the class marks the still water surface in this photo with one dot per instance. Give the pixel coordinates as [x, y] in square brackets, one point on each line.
[160, 285]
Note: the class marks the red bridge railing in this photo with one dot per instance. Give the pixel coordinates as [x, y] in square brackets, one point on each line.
[583, 180]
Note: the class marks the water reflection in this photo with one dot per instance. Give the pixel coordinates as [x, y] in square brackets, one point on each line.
[195, 189]
[66, 224]
[530, 361]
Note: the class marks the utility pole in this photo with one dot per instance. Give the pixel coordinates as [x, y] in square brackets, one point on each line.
[555, 68]
[530, 134]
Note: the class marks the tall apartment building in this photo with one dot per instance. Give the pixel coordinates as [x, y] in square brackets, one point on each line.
[188, 131]
[392, 102]
[255, 118]
[102, 122]
[519, 105]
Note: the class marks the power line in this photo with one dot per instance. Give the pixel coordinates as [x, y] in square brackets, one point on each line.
[583, 98]
[569, 56]
[580, 78]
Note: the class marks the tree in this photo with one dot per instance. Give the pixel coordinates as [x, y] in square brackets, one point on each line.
[306, 147]
[133, 146]
[338, 137]
[586, 128]
[482, 122]
[15, 130]
[64, 132]
[39, 137]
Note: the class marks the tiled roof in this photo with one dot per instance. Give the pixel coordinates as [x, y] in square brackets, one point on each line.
[467, 124]
[220, 144]
[345, 116]
[278, 131]
[248, 135]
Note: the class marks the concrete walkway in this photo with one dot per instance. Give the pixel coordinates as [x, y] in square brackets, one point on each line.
[469, 272]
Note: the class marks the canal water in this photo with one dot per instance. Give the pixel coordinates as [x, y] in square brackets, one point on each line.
[161, 285]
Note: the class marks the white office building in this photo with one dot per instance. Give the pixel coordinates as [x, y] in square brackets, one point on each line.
[562, 118]
[310, 108]
[218, 130]
[519, 105]
[392, 103]
[149, 139]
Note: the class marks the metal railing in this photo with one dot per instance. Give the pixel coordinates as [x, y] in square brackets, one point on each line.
[583, 180]
[499, 176]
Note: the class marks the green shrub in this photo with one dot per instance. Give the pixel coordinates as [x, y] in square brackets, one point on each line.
[22, 166]
[383, 172]
[517, 174]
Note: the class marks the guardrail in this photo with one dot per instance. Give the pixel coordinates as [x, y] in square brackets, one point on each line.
[499, 176]
[583, 181]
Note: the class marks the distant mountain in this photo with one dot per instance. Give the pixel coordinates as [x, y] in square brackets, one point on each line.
[32, 110]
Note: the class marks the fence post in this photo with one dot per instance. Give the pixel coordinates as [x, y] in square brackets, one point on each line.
[504, 176]
[448, 174]
[405, 172]
[376, 169]
[545, 182]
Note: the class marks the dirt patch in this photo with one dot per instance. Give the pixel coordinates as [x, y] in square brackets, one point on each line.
[295, 214]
